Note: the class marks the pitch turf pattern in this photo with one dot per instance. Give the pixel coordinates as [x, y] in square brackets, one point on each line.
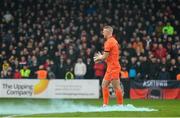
[165, 108]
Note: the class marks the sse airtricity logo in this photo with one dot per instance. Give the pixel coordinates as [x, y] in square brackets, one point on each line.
[41, 86]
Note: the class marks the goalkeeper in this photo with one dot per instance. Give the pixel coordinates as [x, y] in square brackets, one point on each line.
[111, 56]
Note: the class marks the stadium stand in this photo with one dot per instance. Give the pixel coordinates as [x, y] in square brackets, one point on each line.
[55, 33]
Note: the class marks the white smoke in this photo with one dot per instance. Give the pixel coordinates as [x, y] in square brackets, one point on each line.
[60, 106]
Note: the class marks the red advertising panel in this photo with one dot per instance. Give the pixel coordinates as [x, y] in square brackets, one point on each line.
[156, 89]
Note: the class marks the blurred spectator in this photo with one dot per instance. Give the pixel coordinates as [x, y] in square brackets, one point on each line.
[178, 69]
[8, 17]
[178, 76]
[90, 70]
[159, 28]
[143, 68]
[164, 74]
[25, 72]
[99, 70]
[168, 29]
[68, 66]
[163, 63]
[47, 63]
[42, 73]
[17, 74]
[131, 52]
[153, 68]
[132, 68]
[6, 70]
[138, 46]
[22, 62]
[51, 74]
[80, 69]
[51, 70]
[124, 73]
[5, 67]
[34, 66]
[61, 71]
[173, 69]
[8, 75]
[69, 75]
[160, 52]
[53, 66]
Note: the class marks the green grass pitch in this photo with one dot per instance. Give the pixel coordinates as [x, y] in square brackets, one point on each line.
[166, 108]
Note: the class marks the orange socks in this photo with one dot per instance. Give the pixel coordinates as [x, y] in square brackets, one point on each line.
[118, 93]
[105, 92]
[119, 96]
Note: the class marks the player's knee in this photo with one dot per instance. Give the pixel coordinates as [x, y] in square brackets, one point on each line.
[103, 86]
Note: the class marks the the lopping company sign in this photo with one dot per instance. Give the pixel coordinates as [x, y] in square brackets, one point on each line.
[49, 88]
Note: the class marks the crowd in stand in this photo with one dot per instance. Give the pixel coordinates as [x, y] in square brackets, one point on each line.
[62, 36]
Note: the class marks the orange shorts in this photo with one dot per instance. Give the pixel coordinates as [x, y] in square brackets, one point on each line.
[112, 74]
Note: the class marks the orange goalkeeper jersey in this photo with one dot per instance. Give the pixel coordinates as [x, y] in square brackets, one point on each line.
[111, 45]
